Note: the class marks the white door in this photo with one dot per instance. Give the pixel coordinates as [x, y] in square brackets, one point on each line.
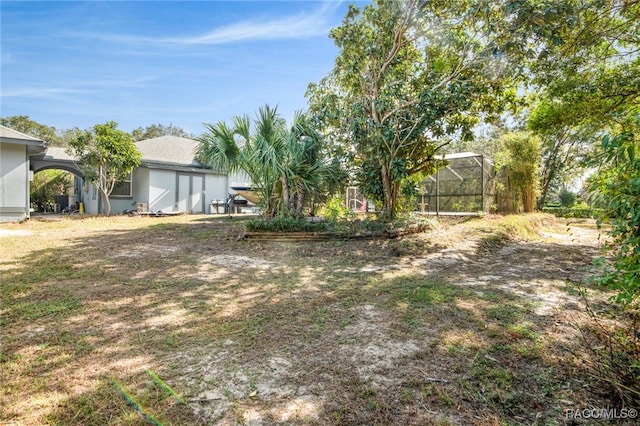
[183, 193]
[197, 188]
[190, 193]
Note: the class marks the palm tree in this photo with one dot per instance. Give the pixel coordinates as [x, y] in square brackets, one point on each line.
[285, 164]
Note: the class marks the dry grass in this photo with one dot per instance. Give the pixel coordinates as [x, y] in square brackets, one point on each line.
[175, 321]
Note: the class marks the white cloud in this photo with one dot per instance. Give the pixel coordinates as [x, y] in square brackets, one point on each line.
[84, 87]
[41, 92]
[302, 25]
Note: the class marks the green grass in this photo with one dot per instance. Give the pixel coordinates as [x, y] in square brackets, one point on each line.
[419, 292]
[506, 314]
[29, 310]
[113, 297]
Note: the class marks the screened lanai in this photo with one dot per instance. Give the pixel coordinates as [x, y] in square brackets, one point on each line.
[464, 186]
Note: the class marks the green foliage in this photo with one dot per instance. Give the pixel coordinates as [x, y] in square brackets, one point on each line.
[586, 71]
[285, 224]
[106, 155]
[46, 185]
[574, 212]
[287, 165]
[157, 130]
[370, 225]
[401, 89]
[618, 179]
[334, 210]
[566, 197]
[23, 124]
[518, 162]
[566, 142]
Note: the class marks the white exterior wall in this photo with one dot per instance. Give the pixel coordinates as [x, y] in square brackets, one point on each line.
[140, 186]
[157, 188]
[216, 188]
[14, 183]
[120, 204]
[162, 190]
[90, 196]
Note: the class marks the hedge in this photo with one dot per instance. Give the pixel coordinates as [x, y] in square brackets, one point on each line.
[573, 212]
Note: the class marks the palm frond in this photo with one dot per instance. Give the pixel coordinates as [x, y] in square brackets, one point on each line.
[282, 161]
[218, 149]
[242, 127]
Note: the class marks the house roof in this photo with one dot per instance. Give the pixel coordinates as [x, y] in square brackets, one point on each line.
[35, 146]
[170, 150]
[7, 133]
[166, 152]
[57, 153]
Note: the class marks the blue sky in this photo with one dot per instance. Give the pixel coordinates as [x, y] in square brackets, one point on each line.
[75, 64]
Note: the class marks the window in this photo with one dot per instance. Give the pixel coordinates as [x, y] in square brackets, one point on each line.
[122, 188]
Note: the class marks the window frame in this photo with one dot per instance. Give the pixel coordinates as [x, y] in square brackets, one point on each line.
[129, 180]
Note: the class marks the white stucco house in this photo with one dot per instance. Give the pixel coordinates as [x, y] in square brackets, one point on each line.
[17, 150]
[169, 180]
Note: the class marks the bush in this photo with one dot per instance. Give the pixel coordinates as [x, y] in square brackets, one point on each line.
[285, 224]
[567, 198]
[409, 223]
[573, 212]
[373, 225]
[619, 181]
[334, 210]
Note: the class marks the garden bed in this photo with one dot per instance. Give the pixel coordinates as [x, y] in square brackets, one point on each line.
[328, 235]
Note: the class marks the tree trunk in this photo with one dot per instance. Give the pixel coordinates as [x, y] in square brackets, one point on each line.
[102, 186]
[285, 190]
[548, 175]
[389, 194]
[300, 202]
[107, 203]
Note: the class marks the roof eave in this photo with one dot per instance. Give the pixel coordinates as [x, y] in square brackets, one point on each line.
[193, 168]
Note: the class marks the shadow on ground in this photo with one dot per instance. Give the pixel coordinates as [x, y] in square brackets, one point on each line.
[338, 332]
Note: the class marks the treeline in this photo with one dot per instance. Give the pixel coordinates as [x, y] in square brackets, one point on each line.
[62, 137]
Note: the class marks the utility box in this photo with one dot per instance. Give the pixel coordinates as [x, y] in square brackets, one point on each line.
[142, 207]
[62, 201]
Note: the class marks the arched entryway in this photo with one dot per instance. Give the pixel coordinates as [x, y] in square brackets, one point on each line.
[55, 190]
[79, 191]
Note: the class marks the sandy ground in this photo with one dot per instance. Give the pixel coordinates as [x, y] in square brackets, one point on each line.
[453, 326]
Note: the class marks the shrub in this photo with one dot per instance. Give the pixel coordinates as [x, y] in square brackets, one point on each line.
[619, 181]
[370, 225]
[573, 212]
[334, 210]
[415, 221]
[567, 198]
[285, 224]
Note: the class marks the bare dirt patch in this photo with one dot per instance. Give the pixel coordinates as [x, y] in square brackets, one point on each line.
[472, 323]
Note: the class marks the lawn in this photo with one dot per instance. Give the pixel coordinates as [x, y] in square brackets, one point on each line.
[135, 321]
